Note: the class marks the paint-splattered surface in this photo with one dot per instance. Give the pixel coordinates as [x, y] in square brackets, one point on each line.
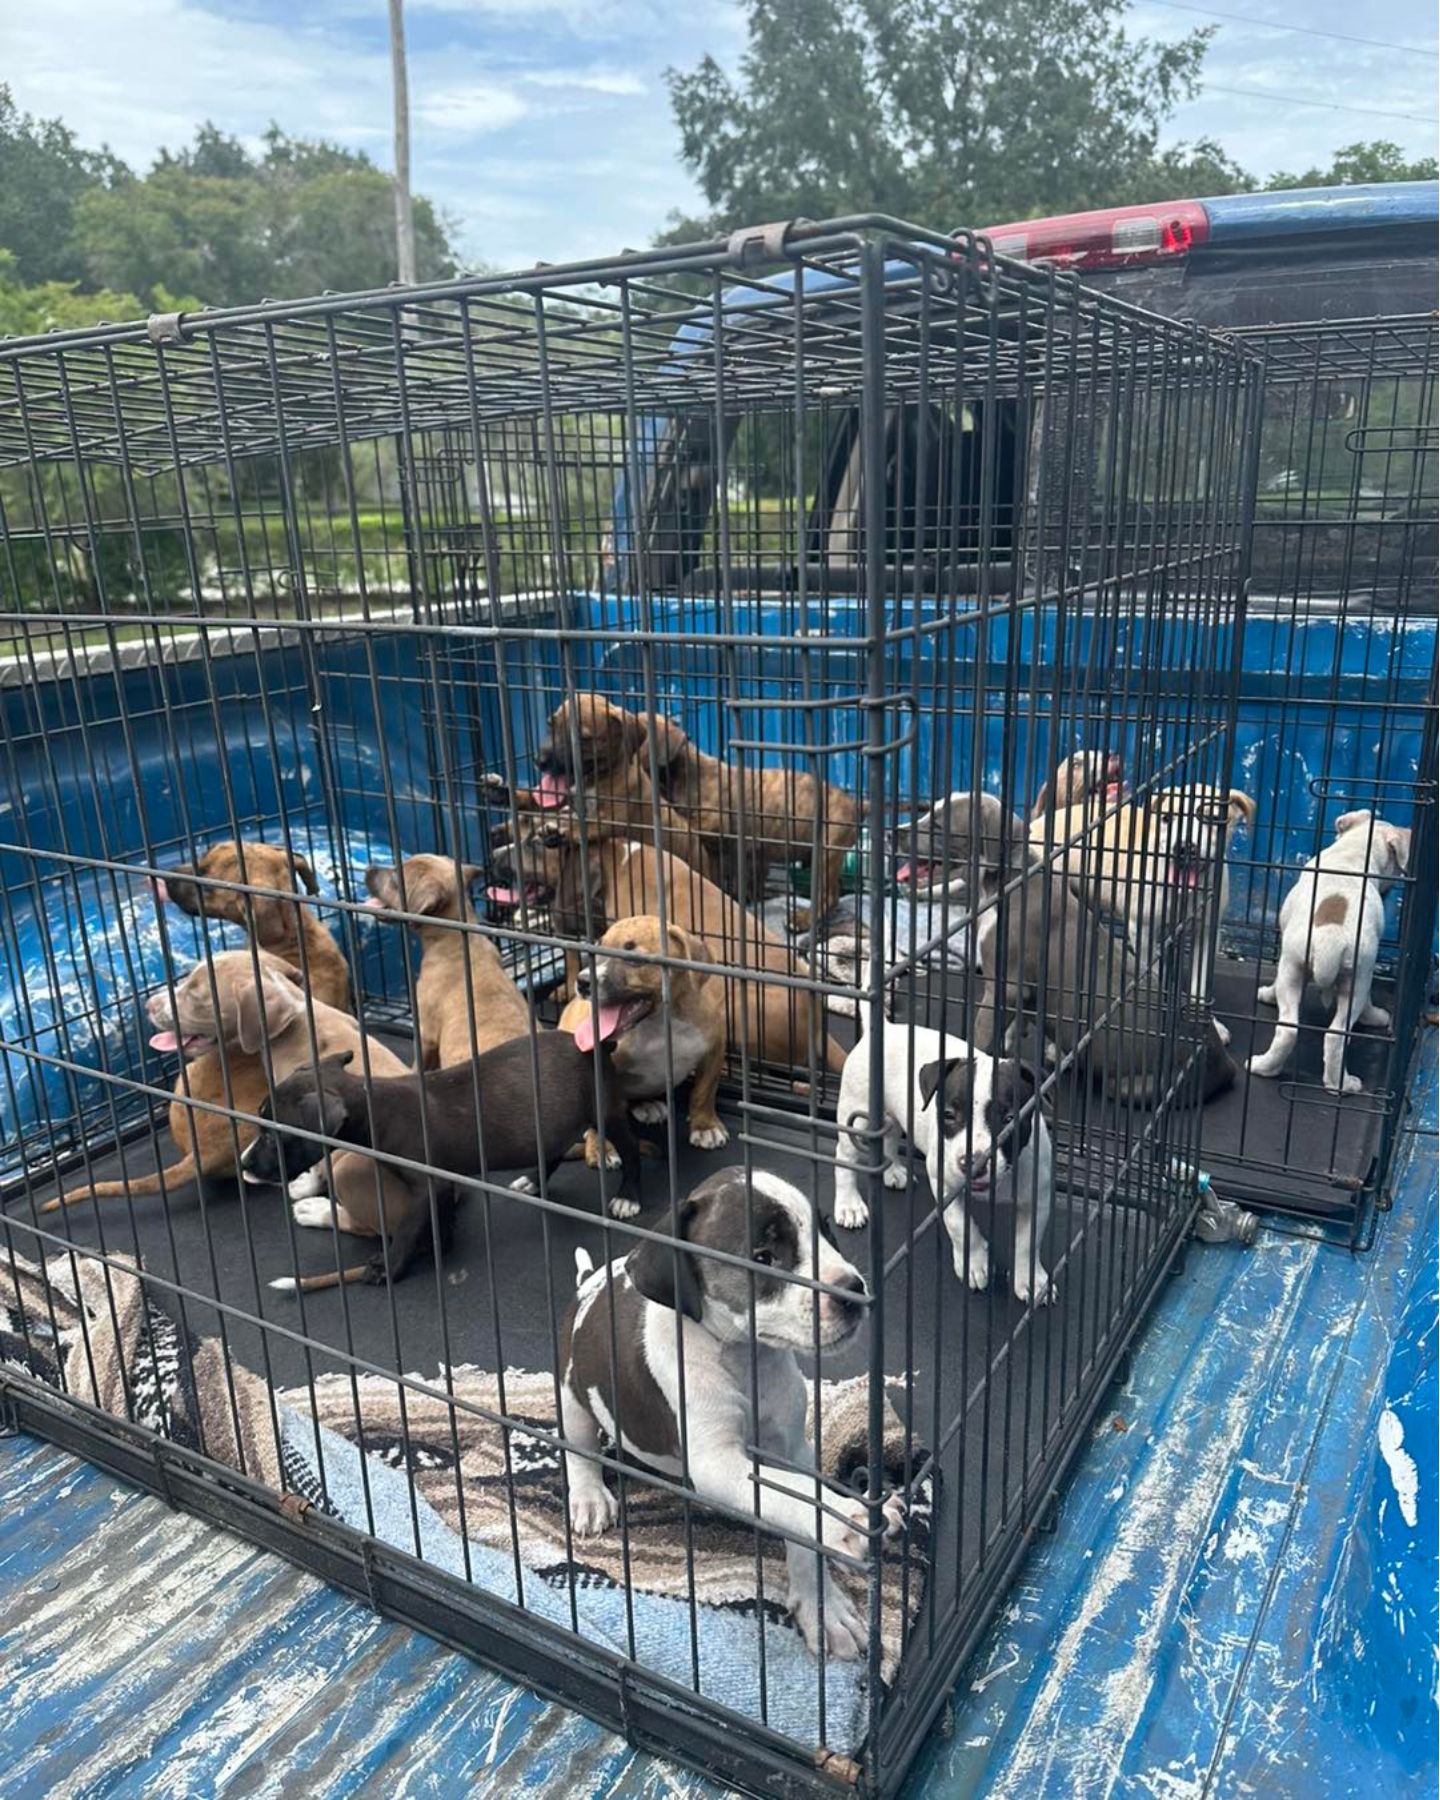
[1244, 1536]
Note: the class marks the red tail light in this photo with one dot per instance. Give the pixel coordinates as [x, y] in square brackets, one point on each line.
[1117, 238]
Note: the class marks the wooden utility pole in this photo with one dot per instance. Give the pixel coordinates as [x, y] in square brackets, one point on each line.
[404, 216]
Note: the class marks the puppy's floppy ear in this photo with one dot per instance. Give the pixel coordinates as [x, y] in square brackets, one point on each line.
[932, 1075]
[321, 1111]
[1397, 842]
[302, 867]
[423, 892]
[470, 873]
[340, 1060]
[687, 948]
[669, 1277]
[628, 727]
[1241, 807]
[668, 738]
[282, 1005]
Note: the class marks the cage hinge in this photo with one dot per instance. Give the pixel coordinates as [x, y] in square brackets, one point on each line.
[9, 1414]
[165, 328]
[762, 243]
[295, 1506]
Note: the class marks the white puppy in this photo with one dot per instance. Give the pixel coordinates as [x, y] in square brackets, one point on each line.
[1330, 926]
[978, 1125]
[620, 1374]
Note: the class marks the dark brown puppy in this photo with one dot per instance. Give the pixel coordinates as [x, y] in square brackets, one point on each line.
[458, 1018]
[275, 923]
[590, 888]
[534, 1101]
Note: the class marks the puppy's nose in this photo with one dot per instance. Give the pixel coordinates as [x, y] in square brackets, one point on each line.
[852, 1285]
[582, 983]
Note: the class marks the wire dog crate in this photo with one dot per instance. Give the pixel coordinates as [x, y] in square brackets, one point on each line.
[710, 588]
[1336, 714]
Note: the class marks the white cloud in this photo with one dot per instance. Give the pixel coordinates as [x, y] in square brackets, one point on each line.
[469, 107]
[588, 81]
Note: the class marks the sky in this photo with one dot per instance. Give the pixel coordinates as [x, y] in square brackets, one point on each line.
[542, 128]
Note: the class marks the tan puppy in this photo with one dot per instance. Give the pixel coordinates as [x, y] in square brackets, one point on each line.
[450, 1032]
[273, 922]
[1145, 864]
[229, 1027]
[621, 880]
[605, 751]
[624, 1004]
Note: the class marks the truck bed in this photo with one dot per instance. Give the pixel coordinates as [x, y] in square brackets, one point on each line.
[1188, 1627]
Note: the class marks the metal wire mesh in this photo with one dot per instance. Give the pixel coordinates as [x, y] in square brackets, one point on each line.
[693, 589]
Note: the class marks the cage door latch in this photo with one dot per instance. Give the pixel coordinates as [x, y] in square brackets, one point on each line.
[165, 328]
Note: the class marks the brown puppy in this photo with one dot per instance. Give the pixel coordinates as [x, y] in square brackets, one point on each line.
[730, 825]
[605, 751]
[229, 1028]
[450, 1032]
[623, 1004]
[621, 880]
[750, 819]
[273, 922]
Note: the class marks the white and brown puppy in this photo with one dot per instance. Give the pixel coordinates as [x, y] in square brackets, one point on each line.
[976, 1121]
[656, 1048]
[1330, 927]
[621, 1375]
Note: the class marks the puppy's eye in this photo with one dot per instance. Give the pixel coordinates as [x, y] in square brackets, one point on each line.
[629, 943]
[762, 1256]
[553, 840]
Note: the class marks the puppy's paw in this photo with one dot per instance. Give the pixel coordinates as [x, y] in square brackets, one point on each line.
[1376, 1018]
[1266, 995]
[844, 1631]
[1258, 1065]
[893, 1507]
[311, 1182]
[1044, 1293]
[524, 1184]
[315, 1210]
[285, 1284]
[621, 1208]
[592, 1511]
[845, 1524]
[851, 1212]
[709, 1137]
[1222, 1030]
[896, 1175]
[976, 1273]
[1349, 1084]
[650, 1112]
[594, 1157]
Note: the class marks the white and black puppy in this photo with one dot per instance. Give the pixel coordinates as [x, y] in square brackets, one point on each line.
[1330, 927]
[977, 1122]
[645, 1304]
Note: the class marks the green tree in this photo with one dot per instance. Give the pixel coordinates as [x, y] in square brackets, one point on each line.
[215, 220]
[1375, 161]
[26, 310]
[934, 111]
[43, 173]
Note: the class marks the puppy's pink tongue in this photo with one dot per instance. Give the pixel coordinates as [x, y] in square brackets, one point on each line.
[554, 790]
[164, 1040]
[503, 896]
[585, 1033]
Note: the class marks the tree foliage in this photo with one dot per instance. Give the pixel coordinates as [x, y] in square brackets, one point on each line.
[931, 111]
[946, 114]
[1356, 163]
[232, 227]
[43, 173]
